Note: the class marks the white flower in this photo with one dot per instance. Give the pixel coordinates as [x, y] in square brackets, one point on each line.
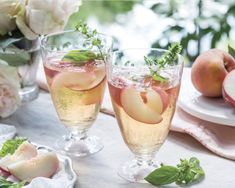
[9, 85]
[8, 9]
[39, 17]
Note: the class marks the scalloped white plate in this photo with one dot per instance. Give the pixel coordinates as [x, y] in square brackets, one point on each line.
[210, 109]
[65, 177]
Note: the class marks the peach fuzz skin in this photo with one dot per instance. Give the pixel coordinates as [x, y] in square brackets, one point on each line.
[209, 71]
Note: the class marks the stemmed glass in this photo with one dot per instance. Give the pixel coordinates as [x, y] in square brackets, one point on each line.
[75, 72]
[143, 106]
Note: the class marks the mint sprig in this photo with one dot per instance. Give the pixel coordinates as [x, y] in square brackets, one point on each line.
[168, 58]
[11, 145]
[8, 184]
[187, 172]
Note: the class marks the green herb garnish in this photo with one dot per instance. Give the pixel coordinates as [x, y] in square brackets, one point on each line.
[168, 58]
[11, 145]
[91, 40]
[80, 56]
[187, 172]
[231, 51]
[8, 184]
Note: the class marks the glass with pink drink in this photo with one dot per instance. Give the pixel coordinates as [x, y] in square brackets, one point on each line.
[144, 105]
[75, 72]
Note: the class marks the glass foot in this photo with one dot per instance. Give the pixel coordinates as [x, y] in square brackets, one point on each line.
[137, 170]
[28, 93]
[79, 147]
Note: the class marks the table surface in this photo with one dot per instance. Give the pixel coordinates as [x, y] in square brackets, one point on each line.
[38, 121]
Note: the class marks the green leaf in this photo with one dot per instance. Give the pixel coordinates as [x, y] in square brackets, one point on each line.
[158, 77]
[8, 184]
[168, 58]
[163, 175]
[15, 57]
[4, 43]
[231, 51]
[187, 172]
[79, 57]
[190, 171]
[10, 146]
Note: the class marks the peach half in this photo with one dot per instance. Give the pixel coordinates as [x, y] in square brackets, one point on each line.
[145, 107]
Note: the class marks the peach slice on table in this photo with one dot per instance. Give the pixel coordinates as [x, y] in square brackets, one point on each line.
[25, 151]
[43, 165]
[228, 89]
[79, 81]
[145, 107]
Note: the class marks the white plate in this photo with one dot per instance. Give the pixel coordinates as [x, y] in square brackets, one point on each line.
[65, 177]
[210, 109]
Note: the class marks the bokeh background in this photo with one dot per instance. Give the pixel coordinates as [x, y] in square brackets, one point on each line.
[198, 24]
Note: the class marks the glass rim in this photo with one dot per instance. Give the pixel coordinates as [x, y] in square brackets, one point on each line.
[43, 39]
[180, 57]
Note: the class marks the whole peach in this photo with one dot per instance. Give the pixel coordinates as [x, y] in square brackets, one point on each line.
[209, 71]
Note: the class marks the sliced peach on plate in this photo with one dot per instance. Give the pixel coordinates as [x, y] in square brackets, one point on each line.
[43, 165]
[145, 107]
[24, 152]
[228, 89]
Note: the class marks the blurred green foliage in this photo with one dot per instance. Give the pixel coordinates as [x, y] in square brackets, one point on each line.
[213, 25]
[104, 10]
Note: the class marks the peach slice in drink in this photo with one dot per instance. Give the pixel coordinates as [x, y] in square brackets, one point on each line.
[79, 81]
[145, 107]
[76, 83]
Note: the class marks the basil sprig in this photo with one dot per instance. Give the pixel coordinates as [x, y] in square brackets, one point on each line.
[187, 172]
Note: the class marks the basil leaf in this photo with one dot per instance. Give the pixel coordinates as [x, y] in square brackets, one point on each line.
[163, 175]
[79, 56]
[10, 146]
[231, 51]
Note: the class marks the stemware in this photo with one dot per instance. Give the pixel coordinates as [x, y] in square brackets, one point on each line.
[75, 72]
[143, 106]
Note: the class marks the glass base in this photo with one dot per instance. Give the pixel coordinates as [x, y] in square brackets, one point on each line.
[79, 147]
[28, 93]
[136, 170]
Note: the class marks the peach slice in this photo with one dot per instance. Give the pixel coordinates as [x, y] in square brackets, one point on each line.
[44, 165]
[145, 107]
[79, 81]
[228, 89]
[24, 152]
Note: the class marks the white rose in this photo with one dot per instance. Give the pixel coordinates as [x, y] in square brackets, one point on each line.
[8, 9]
[45, 17]
[9, 85]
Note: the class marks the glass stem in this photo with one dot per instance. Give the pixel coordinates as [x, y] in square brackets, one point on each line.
[79, 134]
[144, 159]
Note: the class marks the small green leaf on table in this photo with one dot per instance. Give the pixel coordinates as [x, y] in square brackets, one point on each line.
[185, 173]
[163, 175]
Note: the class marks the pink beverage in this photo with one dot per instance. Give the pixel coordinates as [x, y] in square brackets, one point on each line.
[143, 112]
[76, 90]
